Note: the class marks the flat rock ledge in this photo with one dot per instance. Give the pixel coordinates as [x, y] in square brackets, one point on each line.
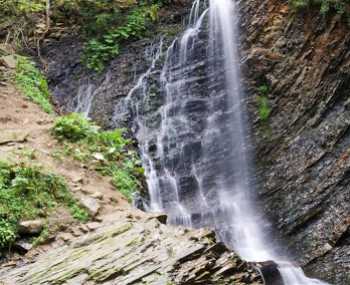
[135, 250]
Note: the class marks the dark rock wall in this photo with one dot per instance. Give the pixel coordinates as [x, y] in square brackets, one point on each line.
[302, 150]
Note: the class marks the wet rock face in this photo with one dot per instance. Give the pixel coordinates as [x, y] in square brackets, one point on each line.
[136, 250]
[302, 151]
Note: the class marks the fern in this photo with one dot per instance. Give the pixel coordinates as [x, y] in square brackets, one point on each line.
[99, 51]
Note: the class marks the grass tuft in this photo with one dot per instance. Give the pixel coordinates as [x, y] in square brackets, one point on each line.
[32, 83]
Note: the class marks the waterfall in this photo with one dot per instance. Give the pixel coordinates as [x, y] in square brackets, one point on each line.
[193, 140]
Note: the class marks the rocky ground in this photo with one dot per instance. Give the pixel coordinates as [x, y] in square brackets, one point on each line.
[135, 249]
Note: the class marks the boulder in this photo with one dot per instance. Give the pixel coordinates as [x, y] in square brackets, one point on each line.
[32, 227]
[90, 204]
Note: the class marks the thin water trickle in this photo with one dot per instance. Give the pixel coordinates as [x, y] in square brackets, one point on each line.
[86, 95]
[194, 144]
[84, 99]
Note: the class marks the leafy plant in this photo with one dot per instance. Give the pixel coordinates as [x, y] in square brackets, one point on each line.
[26, 192]
[73, 127]
[43, 237]
[108, 152]
[78, 213]
[7, 233]
[32, 83]
[125, 182]
[99, 51]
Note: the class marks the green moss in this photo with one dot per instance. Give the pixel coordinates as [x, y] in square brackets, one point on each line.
[32, 83]
[27, 192]
[170, 30]
[263, 103]
[42, 238]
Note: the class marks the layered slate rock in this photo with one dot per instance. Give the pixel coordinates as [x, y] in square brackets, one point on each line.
[302, 149]
[136, 250]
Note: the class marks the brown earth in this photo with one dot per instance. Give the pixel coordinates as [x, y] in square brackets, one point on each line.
[25, 138]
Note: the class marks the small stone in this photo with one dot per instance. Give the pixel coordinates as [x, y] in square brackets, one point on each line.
[98, 156]
[76, 232]
[77, 188]
[90, 204]
[66, 237]
[8, 61]
[23, 246]
[78, 179]
[162, 218]
[93, 226]
[84, 228]
[97, 195]
[98, 219]
[30, 227]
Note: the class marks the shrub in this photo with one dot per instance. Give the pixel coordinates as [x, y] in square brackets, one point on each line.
[99, 51]
[73, 127]
[109, 152]
[32, 83]
[28, 193]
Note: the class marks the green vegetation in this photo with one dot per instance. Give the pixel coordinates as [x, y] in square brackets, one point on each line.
[100, 51]
[32, 83]
[325, 6]
[106, 151]
[43, 237]
[74, 127]
[263, 103]
[104, 24]
[26, 192]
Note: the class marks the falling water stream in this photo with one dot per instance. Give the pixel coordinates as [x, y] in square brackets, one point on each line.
[194, 147]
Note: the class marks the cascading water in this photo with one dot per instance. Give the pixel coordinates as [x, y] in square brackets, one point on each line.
[84, 99]
[193, 142]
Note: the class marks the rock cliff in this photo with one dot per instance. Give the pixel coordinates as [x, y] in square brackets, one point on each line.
[302, 150]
